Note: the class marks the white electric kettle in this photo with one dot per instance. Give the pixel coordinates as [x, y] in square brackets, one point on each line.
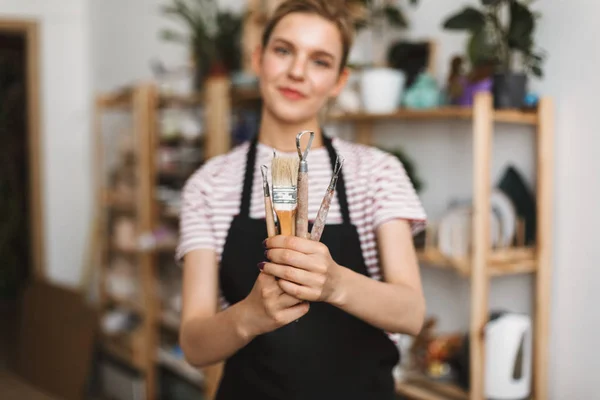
[508, 357]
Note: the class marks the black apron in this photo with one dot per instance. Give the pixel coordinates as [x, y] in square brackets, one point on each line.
[327, 354]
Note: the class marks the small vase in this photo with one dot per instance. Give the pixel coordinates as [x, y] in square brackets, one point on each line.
[509, 90]
[381, 89]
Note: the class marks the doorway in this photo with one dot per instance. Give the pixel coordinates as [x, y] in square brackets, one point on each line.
[21, 249]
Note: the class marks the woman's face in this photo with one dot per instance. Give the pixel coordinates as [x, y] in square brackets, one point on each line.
[299, 69]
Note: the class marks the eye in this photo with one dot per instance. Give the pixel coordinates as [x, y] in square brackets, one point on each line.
[281, 50]
[323, 63]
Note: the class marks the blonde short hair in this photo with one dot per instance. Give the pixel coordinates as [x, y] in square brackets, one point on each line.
[341, 12]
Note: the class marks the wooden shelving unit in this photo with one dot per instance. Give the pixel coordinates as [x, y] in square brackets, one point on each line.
[142, 104]
[484, 262]
[140, 107]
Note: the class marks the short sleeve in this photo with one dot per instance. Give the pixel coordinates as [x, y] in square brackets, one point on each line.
[395, 196]
[195, 226]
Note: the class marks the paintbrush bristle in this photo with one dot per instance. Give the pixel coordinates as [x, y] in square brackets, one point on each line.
[285, 171]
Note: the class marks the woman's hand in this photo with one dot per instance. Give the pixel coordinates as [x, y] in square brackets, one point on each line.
[305, 268]
[268, 307]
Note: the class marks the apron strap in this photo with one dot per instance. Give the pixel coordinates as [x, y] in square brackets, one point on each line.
[341, 185]
[248, 178]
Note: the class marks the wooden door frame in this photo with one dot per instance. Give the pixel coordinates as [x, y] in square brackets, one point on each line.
[30, 29]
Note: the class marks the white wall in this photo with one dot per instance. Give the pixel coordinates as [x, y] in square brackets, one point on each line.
[124, 40]
[66, 96]
[572, 80]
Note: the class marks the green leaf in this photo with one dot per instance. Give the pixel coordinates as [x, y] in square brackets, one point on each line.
[537, 71]
[469, 19]
[479, 50]
[173, 36]
[520, 30]
[491, 2]
[395, 16]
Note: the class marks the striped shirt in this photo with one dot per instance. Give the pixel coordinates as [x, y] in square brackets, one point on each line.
[377, 187]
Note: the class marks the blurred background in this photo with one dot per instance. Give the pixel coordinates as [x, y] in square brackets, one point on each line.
[107, 107]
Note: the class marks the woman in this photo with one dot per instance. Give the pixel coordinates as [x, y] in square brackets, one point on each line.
[300, 319]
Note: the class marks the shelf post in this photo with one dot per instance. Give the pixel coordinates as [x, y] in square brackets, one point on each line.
[217, 116]
[483, 119]
[545, 162]
[145, 102]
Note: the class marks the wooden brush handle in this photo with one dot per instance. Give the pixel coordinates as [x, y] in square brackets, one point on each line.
[286, 221]
[302, 212]
[271, 230]
[319, 225]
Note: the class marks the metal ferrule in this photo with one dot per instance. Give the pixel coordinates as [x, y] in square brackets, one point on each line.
[303, 166]
[266, 190]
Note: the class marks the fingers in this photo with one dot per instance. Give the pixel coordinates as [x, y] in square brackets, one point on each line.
[295, 243]
[290, 257]
[295, 275]
[300, 292]
[269, 287]
[292, 313]
[286, 301]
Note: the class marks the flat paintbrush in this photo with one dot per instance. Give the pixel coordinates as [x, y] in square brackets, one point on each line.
[319, 225]
[284, 171]
[269, 217]
[302, 214]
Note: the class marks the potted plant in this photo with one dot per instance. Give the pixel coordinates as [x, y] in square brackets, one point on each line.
[501, 32]
[381, 85]
[213, 37]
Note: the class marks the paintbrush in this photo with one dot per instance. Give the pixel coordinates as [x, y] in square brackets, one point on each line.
[284, 171]
[269, 218]
[319, 225]
[302, 213]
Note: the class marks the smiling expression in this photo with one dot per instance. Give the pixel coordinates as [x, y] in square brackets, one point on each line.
[299, 69]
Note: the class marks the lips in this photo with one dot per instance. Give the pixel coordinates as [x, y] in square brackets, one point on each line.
[291, 93]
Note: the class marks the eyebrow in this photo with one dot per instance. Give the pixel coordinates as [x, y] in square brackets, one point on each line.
[318, 52]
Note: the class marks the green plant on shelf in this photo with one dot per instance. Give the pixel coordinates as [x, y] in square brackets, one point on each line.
[213, 36]
[498, 32]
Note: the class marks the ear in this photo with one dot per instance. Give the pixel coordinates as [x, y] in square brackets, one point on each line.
[341, 83]
[257, 59]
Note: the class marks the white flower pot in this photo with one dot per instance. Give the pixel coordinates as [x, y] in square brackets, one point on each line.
[381, 89]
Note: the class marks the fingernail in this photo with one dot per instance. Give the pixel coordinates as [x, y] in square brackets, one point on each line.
[266, 255]
[265, 243]
[261, 265]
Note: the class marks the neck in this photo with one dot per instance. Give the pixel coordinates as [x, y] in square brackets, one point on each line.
[281, 135]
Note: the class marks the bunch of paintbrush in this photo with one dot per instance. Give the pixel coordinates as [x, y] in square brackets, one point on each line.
[319, 225]
[302, 213]
[269, 217]
[289, 200]
[284, 171]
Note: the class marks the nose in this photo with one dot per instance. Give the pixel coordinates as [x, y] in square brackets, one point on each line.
[297, 68]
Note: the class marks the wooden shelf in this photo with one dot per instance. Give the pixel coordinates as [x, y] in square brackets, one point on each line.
[179, 101]
[126, 304]
[123, 349]
[442, 113]
[418, 387]
[180, 367]
[116, 100]
[238, 95]
[507, 261]
[170, 321]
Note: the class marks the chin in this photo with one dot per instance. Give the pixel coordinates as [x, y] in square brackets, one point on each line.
[290, 112]
[291, 115]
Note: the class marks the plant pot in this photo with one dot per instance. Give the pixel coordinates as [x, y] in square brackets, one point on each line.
[509, 90]
[381, 89]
